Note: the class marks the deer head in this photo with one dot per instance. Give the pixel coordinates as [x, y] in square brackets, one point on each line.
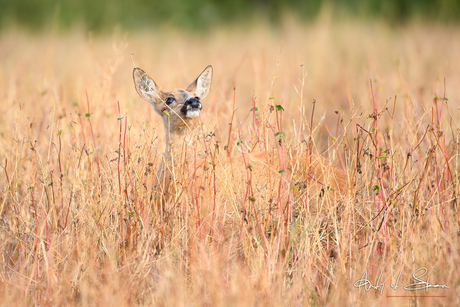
[178, 108]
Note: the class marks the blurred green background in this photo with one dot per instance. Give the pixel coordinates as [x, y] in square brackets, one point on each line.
[97, 15]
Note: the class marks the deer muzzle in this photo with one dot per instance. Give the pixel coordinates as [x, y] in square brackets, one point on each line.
[191, 108]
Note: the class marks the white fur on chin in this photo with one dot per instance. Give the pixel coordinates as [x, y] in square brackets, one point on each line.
[192, 114]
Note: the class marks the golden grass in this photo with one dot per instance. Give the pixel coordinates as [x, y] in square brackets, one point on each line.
[78, 225]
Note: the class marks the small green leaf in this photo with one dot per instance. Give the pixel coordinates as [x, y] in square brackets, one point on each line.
[279, 107]
[251, 199]
[249, 167]
[381, 157]
[167, 113]
[131, 213]
[120, 117]
[88, 114]
[270, 98]
[252, 109]
[59, 133]
[50, 185]
[293, 187]
[376, 188]
[31, 188]
[333, 138]
[282, 171]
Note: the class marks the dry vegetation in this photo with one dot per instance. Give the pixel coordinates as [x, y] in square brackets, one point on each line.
[77, 221]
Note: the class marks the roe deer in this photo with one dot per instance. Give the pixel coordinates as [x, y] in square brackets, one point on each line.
[181, 170]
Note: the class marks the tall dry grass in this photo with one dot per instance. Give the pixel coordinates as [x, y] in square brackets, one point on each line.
[78, 225]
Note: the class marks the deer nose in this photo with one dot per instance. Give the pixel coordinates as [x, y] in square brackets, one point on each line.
[193, 103]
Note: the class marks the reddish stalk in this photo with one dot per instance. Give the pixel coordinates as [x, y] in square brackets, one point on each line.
[213, 161]
[123, 237]
[245, 197]
[231, 124]
[309, 154]
[84, 139]
[196, 192]
[92, 133]
[60, 177]
[255, 123]
[119, 148]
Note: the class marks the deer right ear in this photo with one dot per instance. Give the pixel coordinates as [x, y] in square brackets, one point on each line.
[145, 86]
[202, 85]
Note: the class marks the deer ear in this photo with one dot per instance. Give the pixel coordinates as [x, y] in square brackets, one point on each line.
[145, 86]
[202, 85]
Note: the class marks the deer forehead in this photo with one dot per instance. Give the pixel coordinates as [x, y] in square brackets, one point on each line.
[181, 95]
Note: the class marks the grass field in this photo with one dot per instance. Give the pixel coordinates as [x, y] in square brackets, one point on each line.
[79, 150]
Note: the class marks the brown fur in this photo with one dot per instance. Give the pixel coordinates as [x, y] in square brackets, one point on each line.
[308, 175]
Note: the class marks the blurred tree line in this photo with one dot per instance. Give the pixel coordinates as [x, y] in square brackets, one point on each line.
[99, 15]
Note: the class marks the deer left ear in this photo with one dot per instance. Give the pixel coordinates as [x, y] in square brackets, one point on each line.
[202, 85]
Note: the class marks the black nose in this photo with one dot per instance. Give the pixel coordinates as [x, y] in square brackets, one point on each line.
[193, 103]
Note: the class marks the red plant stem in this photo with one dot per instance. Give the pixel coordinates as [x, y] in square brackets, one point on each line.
[196, 192]
[376, 127]
[84, 141]
[135, 193]
[231, 124]
[255, 123]
[309, 153]
[60, 178]
[249, 188]
[92, 133]
[357, 147]
[213, 159]
[279, 123]
[280, 151]
[245, 198]
[447, 160]
[436, 169]
[118, 169]
[126, 187]
[376, 163]
[119, 147]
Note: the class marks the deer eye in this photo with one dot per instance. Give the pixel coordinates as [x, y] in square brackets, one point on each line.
[170, 100]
